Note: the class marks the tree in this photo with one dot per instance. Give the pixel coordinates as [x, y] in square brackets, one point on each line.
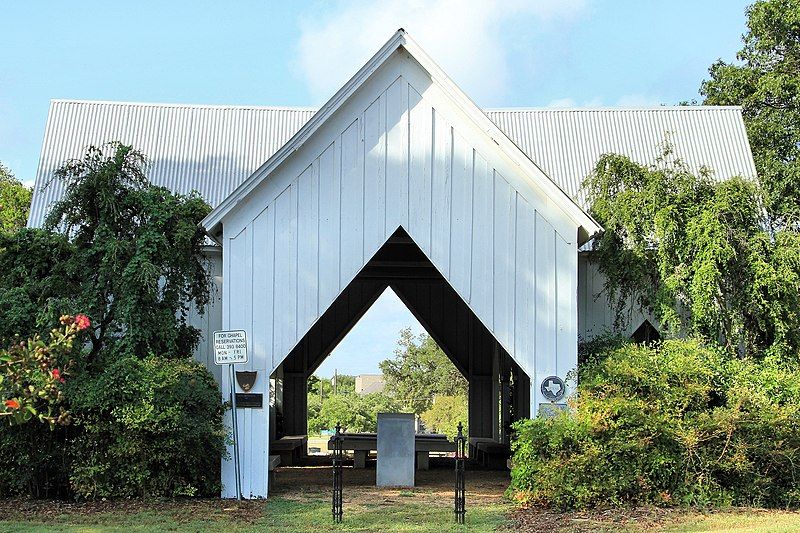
[356, 413]
[34, 281]
[419, 371]
[695, 253]
[15, 201]
[766, 83]
[148, 420]
[137, 250]
[445, 414]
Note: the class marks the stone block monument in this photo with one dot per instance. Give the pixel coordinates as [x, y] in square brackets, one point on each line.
[396, 449]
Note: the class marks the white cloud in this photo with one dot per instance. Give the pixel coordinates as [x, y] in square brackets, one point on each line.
[628, 100]
[562, 103]
[465, 37]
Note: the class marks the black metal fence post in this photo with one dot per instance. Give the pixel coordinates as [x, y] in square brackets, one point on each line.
[460, 491]
[338, 459]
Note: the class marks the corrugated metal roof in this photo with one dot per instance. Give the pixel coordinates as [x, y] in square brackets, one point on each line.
[212, 149]
[566, 143]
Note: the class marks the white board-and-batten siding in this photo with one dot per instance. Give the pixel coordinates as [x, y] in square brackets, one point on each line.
[397, 155]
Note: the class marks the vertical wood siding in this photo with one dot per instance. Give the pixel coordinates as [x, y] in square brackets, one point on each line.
[596, 315]
[400, 162]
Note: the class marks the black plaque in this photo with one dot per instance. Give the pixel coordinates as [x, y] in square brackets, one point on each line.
[249, 400]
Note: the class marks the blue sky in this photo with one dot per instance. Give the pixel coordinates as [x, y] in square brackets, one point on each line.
[512, 53]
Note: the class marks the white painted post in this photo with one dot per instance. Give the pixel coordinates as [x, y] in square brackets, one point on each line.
[235, 424]
[230, 347]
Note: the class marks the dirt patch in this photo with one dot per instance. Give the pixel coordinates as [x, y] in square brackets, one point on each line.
[640, 518]
[435, 485]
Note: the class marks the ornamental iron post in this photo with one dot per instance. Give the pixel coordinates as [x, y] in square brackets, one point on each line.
[338, 459]
[460, 491]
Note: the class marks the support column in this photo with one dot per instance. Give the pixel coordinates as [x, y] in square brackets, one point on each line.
[521, 397]
[481, 401]
[276, 405]
[497, 428]
[253, 438]
[295, 404]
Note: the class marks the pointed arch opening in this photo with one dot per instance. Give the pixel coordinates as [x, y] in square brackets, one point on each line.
[498, 389]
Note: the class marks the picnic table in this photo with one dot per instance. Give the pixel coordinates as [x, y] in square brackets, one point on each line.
[424, 443]
[489, 453]
[291, 448]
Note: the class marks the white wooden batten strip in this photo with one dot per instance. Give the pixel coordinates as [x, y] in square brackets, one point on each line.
[587, 225]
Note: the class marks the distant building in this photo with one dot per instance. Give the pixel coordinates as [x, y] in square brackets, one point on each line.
[369, 383]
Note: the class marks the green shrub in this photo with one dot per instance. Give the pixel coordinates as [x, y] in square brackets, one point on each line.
[150, 427]
[34, 460]
[34, 277]
[672, 424]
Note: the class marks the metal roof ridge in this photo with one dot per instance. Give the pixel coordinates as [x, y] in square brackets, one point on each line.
[315, 109]
[613, 109]
[183, 105]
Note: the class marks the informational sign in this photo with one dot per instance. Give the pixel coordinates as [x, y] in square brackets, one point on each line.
[230, 347]
[553, 388]
[550, 410]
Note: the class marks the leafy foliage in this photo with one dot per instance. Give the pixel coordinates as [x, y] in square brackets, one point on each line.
[419, 379]
[32, 372]
[446, 413]
[15, 202]
[696, 253]
[151, 427]
[766, 83]
[34, 460]
[146, 419]
[137, 251]
[356, 413]
[681, 423]
[419, 371]
[34, 279]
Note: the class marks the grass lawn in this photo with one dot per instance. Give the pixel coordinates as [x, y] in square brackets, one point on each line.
[285, 515]
[300, 501]
[658, 519]
[740, 521]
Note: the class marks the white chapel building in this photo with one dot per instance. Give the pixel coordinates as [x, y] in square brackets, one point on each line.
[474, 217]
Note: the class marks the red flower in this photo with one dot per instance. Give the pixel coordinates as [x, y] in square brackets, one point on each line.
[12, 404]
[56, 373]
[82, 321]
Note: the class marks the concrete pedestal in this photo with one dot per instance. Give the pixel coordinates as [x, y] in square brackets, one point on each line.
[395, 450]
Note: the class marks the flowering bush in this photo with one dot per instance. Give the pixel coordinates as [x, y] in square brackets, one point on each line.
[30, 376]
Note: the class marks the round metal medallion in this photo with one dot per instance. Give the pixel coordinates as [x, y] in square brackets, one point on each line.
[553, 388]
